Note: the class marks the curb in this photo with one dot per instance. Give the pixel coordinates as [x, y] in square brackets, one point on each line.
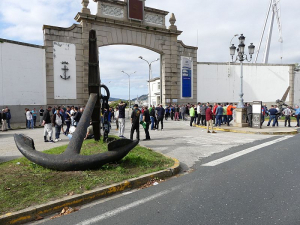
[51, 207]
[253, 132]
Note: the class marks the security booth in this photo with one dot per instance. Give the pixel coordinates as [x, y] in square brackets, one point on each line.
[257, 114]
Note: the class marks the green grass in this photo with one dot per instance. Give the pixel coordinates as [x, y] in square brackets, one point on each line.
[24, 184]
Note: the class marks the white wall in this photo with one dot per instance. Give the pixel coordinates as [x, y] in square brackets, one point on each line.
[64, 89]
[265, 83]
[22, 75]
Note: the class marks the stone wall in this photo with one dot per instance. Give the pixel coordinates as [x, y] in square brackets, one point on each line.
[71, 35]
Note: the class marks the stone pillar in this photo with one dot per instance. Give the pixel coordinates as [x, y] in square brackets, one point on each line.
[240, 117]
[86, 27]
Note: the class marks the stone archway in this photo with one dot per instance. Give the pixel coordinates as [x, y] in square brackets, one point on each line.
[114, 26]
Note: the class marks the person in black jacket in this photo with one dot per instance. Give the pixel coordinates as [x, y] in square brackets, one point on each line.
[8, 117]
[47, 125]
[160, 116]
[68, 119]
[135, 122]
[77, 117]
[152, 117]
[249, 114]
[146, 119]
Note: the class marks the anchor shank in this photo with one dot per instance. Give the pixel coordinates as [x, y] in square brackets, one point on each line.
[94, 81]
[75, 144]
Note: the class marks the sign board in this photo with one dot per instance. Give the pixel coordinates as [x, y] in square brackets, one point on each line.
[64, 63]
[186, 77]
[136, 10]
[256, 114]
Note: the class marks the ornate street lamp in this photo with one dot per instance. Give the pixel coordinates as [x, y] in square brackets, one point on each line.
[241, 56]
[149, 64]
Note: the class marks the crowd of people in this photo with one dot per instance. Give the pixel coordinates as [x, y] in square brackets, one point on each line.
[65, 119]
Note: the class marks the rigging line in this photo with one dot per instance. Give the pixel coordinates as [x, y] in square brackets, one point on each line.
[281, 51]
[280, 32]
[263, 31]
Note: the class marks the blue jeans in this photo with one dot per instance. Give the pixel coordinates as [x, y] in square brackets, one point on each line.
[272, 117]
[152, 122]
[224, 119]
[57, 131]
[8, 123]
[30, 122]
[34, 120]
[298, 118]
[68, 123]
[219, 120]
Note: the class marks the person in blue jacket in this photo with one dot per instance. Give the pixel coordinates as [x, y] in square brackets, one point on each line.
[297, 113]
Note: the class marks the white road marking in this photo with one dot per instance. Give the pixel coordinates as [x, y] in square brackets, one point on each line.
[126, 207]
[243, 152]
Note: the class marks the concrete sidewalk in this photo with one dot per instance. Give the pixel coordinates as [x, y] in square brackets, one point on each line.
[269, 130]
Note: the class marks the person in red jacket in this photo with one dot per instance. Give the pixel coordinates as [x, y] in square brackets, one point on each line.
[209, 119]
[215, 112]
[230, 108]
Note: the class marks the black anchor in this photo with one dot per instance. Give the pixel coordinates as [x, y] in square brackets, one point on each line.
[65, 69]
[71, 158]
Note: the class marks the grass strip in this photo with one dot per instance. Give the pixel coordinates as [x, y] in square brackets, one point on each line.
[24, 184]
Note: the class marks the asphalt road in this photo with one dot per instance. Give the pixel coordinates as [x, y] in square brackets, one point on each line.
[255, 183]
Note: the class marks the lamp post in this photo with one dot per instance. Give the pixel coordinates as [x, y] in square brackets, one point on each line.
[149, 90]
[229, 59]
[241, 56]
[129, 86]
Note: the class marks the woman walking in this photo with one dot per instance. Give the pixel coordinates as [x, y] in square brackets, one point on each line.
[57, 122]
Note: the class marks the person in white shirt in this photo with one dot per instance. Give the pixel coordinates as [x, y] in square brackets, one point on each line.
[117, 117]
[198, 113]
[72, 112]
[29, 119]
[287, 112]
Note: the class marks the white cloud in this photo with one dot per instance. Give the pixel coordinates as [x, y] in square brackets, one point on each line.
[215, 21]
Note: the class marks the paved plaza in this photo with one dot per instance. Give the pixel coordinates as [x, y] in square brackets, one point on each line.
[178, 139]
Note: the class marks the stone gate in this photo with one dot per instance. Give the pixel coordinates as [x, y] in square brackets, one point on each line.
[117, 23]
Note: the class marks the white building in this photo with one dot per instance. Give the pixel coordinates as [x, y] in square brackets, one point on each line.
[22, 77]
[155, 91]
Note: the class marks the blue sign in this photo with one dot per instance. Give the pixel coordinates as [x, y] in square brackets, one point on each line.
[186, 73]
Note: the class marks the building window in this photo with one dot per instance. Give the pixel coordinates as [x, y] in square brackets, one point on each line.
[158, 85]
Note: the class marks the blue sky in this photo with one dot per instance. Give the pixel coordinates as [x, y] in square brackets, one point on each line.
[215, 22]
